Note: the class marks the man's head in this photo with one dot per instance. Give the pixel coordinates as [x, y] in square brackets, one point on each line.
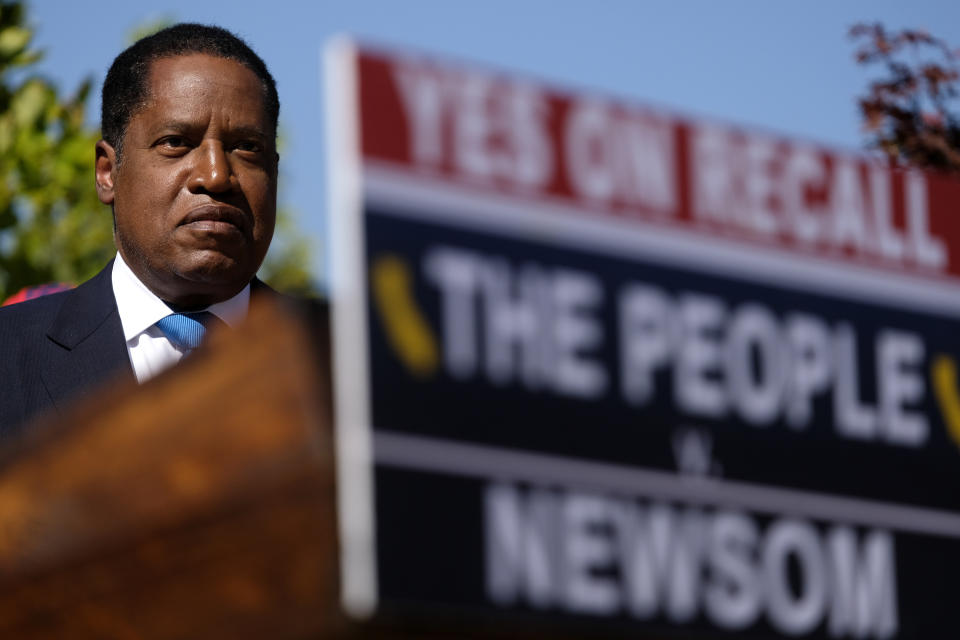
[188, 162]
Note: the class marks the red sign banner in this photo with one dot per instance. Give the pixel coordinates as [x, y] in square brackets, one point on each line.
[606, 158]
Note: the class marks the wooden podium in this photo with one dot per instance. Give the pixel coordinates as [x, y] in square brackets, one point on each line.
[198, 505]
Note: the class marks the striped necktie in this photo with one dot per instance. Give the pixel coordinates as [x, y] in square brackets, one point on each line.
[186, 331]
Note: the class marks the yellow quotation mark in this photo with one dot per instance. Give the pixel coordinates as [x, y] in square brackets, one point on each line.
[407, 330]
[944, 373]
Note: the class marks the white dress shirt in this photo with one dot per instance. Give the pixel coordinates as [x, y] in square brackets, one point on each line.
[150, 351]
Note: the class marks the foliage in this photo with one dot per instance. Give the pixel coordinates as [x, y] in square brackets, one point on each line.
[911, 112]
[53, 228]
[287, 267]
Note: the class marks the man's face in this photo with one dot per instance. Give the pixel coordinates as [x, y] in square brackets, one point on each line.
[194, 194]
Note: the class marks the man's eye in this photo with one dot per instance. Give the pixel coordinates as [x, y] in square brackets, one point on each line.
[249, 146]
[172, 142]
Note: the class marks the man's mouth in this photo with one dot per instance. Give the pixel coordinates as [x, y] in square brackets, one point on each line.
[216, 218]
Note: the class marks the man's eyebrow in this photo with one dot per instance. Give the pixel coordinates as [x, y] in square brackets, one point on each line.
[185, 125]
[248, 130]
[176, 125]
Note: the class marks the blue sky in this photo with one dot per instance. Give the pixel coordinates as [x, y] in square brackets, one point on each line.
[785, 67]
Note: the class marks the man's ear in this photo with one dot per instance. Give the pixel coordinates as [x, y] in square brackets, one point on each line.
[106, 168]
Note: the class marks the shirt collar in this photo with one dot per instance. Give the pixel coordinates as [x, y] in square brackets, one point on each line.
[140, 309]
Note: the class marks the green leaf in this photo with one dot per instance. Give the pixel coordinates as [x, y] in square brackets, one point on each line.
[29, 103]
[13, 40]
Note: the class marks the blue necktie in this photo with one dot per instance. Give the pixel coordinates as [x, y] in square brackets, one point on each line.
[187, 330]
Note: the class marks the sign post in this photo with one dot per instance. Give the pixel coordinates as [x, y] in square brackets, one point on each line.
[600, 365]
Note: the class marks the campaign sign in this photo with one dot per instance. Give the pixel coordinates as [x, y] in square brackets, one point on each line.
[612, 369]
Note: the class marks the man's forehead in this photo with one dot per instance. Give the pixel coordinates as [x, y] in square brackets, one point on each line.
[171, 80]
[178, 85]
[200, 72]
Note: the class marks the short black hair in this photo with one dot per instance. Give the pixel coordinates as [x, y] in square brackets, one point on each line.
[125, 87]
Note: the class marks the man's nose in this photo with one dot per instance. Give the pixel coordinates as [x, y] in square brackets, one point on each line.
[211, 171]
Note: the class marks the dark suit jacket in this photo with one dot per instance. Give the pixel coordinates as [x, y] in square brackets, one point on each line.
[58, 347]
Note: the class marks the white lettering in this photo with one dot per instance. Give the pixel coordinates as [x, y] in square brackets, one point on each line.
[811, 359]
[575, 295]
[794, 613]
[803, 171]
[890, 240]
[587, 550]
[644, 340]
[929, 251]
[423, 96]
[492, 310]
[629, 158]
[733, 598]
[853, 419]
[522, 546]
[603, 556]
[864, 594]
[697, 386]
[455, 273]
[758, 395]
[849, 212]
[898, 356]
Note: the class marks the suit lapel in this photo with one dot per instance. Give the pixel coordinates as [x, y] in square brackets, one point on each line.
[259, 288]
[85, 344]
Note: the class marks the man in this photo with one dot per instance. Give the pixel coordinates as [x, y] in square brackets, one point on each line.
[188, 164]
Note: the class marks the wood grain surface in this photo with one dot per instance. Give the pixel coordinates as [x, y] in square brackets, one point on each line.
[198, 505]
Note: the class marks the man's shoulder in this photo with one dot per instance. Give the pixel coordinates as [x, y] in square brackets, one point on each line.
[261, 290]
[31, 316]
[314, 311]
[37, 315]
